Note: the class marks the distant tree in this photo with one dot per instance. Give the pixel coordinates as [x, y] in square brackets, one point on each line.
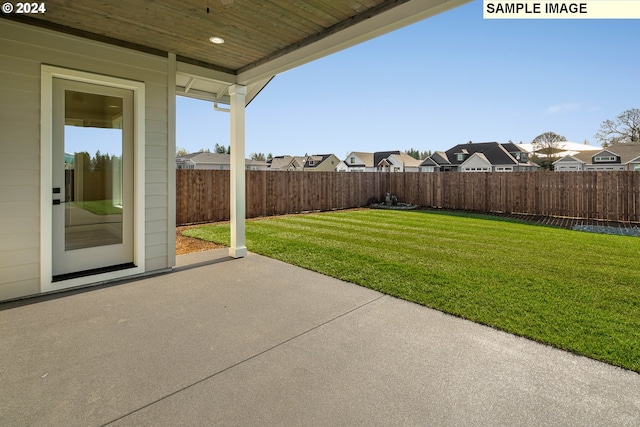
[417, 154]
[625, 129]
[269, 157]
[546, 147]
[181, 152]
[413, 153]
[100, 163]
[548, 143]
[258, 156]
[220, 149]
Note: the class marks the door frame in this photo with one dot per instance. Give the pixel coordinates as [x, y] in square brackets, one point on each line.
[48, 73]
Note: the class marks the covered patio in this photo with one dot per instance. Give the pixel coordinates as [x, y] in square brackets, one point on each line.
[67, 63]
[254, 341]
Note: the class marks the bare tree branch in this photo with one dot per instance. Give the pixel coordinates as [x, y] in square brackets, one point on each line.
[626, 129]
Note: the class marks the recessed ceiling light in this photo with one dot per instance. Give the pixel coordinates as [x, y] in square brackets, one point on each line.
[216, 40]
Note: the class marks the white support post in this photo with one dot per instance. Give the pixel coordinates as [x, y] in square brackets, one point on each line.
[238, 248]
[171, 157]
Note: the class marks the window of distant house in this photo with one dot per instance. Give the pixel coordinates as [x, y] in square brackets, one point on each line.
[352, 160]
[311, 162]
[605, 159]
[460, 157]
[636, 168]
[396, 169]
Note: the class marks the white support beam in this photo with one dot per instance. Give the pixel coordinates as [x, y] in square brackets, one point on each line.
[190, 82]
[237, 95]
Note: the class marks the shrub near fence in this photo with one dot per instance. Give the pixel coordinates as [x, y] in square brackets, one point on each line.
[204, 195]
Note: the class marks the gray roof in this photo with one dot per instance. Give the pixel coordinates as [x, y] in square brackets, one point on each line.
[428, 162]
[439, 158]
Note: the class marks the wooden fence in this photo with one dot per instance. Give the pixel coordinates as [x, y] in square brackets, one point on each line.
[204, 196]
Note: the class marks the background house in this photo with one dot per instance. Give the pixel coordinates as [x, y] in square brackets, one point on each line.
[214, 161]
[435, 162]
[619, 157]
[479, 157]
[321, 163]
[357, 161]
[286, 163]
[396, 161]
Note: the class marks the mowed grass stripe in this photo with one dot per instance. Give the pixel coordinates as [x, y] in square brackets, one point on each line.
[577, 291]
[366, 240]
[521, 247]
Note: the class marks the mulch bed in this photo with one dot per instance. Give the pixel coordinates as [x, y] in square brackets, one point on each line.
[187, 245]
[561, 222]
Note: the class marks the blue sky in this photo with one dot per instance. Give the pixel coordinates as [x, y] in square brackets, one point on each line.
[444, 81]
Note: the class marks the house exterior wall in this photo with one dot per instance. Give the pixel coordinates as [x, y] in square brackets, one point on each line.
[342, 167]
[23, 50]
[395, 165]
[475, 164]
[353, 159]
[213, 166]
[605, 167]
[567, 166]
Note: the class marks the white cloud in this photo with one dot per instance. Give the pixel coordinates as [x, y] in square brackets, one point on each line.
[561, 108]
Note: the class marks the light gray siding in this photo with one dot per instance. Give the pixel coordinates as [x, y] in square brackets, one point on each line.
[23, 49]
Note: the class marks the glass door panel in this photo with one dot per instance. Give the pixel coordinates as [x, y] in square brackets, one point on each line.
[93, 174]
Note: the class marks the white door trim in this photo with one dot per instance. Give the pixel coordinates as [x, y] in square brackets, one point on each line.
[46, 138]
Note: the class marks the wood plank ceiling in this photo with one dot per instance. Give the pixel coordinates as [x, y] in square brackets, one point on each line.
[255, 31]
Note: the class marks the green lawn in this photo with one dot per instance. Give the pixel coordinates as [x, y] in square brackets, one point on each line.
[574, 290]
[99, 207]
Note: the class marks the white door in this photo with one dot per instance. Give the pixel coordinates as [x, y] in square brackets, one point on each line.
[93, 182]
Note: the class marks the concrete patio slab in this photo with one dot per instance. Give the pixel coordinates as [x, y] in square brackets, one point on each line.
[255, 341]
